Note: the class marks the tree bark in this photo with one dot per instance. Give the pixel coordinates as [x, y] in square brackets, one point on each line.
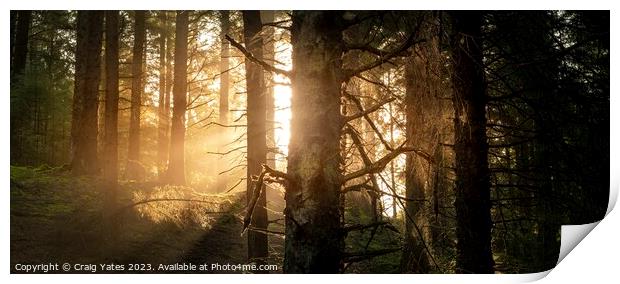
[13, 19]
[176, 164]
[221, 180]
[257, 140]
[87, 73]
[269, 57]
[168, 91]
[133, 150]
[163, 114]
[470, 145]
[20, 51]
[110, 146]
[415, 257]
[314, 241]
[224, 65]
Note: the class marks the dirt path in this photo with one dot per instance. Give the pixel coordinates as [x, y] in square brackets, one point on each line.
[57, 218]
[221, 244]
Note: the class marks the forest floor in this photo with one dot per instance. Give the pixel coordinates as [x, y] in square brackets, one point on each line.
[58, 218]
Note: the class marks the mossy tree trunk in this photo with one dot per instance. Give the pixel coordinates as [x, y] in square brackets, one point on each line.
[313, 236]
[87, 76]
[415, 257]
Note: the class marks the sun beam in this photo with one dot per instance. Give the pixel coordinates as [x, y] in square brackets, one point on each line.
[282, 103]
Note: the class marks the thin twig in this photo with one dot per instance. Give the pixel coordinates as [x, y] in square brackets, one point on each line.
[357, 257]
[260, 62]
[361, 227]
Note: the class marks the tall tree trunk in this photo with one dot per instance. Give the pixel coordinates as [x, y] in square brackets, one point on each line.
[176, 165]
[314, 240]
[87, 73]
[110, 147]
[12, 35]
[101, 100]
[224, 65]
[415, 257]
[224, 91]
[162, 133]
[257, 140]
[470, 145]
[133, 152]
[20, 52]
[269, 50]
[12, 26]
[169, 83]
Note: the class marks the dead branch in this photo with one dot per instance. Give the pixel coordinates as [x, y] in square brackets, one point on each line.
[360, 148]
[275, 173]
[278, 24]
[379, 165]
[251, 57]
[374, 127]
[363, 113]
[361, 256]
[415, 226]
[232, 168]
[234, 186]
[256, 192]
[361, 227]
[357, 187]
[361, 186]
[265, 231]
[223, 125]
[227, 152]
[201, 120]
[387, 55]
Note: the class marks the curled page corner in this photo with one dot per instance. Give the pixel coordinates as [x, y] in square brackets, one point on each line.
[572, 236]
[533, 277]
[613, 193]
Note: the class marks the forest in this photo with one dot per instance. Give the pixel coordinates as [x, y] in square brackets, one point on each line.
[305, 141]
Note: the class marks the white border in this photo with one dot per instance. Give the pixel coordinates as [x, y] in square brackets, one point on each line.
[595, 258]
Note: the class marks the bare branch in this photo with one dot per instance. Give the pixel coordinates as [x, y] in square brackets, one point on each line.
[251, 57]
[363, 113]
[361, 256]
[223, 125]
[358, 187]
[386, 56]
[256, 192]
[360, 227]
[227, 152]
[265, 231]
[275, 173]
[415, 225]
[360, 108]
[234, 186]
[379, 165]
[233, 168]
